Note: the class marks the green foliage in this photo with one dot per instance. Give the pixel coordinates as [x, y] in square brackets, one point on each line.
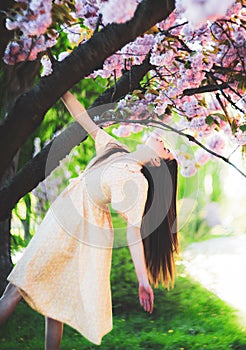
[243, 127]
[124, 282]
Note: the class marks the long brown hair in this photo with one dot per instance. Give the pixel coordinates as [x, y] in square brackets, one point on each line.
[159, 223]
[112, 150]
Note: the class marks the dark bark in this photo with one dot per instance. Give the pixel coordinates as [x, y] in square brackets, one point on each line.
[205, 88]
[49, 157]
[14, 81]
[31, 107]
[5, 224]
[6, 35]
[5, 256]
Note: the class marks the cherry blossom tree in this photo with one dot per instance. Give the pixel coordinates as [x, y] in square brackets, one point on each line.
[176, 66]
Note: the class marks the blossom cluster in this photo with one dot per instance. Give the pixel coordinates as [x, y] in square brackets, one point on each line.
[27, 48]
[111, 11]
[199, 11]
[31, 20]
[131, 54]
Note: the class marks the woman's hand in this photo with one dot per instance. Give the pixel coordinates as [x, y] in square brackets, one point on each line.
[146, 297]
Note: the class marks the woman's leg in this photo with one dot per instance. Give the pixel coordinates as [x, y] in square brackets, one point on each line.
[53, 334]
[10, 298]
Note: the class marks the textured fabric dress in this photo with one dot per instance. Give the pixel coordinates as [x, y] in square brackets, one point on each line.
[64, 272]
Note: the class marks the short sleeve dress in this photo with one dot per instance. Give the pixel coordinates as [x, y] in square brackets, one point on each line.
[64, 272]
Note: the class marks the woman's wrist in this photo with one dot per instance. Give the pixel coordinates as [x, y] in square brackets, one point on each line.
[143, 282]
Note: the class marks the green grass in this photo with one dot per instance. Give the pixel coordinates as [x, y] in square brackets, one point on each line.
[186, 317]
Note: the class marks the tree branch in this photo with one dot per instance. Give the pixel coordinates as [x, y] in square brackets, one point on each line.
[31, 107]
[193, 139]
[152, 122]
[206, 88]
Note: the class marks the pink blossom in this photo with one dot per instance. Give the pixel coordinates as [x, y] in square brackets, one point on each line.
[112, 65]
[138, 49]
[63, 55]
[188, 168]
[199, 124]
[139, 109]
[218, 31]
[122, 103]
[122, 131]
[216, 143]
[199, 11]
[26, 48]
[149, 97]
[47, 66]
[73, 33]
[164, 59]
[168, 22]
[86, 8]
[239, 37]
[240, 137]
[235, 9]
[118, 11]
[191, 109]
[201, 156]
[135, 128]
[188, 32]
[161, 108]
[32, 20]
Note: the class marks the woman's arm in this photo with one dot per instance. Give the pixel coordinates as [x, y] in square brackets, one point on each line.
[79, 113]
[146, 295]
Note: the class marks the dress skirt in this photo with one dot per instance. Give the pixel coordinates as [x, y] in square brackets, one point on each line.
[64, 272]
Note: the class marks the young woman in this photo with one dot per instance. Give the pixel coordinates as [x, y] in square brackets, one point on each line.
[65, 271]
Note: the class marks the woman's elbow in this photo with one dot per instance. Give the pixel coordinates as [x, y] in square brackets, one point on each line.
[133, 234]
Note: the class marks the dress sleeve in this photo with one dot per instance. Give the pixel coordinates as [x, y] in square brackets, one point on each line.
[104, 140]
[128, 196]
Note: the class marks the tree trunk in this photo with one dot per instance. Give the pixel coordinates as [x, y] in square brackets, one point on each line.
[5, 256]
[19, 79]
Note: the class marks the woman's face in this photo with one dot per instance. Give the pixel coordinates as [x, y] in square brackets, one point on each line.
[155, 142]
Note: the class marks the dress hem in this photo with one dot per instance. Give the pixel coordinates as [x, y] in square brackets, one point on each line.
[29, 301]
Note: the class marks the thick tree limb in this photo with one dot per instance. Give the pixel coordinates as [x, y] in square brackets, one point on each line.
[49, 157]
[31, 107]
[206, 88]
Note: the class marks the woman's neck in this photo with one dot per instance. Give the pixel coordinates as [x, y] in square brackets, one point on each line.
[143, 155]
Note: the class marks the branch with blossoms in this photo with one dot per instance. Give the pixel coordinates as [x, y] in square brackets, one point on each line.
[86, 58]
[154, 122]
[191, 138]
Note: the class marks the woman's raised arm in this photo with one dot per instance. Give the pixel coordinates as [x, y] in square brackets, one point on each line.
[79, 113]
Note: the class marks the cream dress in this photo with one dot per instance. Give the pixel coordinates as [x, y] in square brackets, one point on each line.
[65, 271]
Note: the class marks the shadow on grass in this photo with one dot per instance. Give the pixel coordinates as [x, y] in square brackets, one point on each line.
[186, 317]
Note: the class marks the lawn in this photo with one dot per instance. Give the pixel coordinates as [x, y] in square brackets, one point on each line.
[186, 317]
